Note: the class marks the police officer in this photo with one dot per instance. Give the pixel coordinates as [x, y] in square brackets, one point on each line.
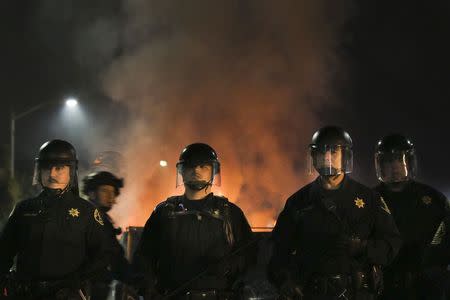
[57, 237]
[194, 246]
[102, 188]
[334, 233]
[422, 215]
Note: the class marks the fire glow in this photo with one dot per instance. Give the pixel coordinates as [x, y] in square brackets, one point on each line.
[252, 94]
[260, 206]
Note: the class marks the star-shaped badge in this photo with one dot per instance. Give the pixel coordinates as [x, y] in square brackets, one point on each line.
[427, 200]
[74, 212]
[359, 202]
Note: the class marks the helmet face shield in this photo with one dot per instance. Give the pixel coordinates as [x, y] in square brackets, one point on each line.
[330, 160]
[396, 166]
[183, 168]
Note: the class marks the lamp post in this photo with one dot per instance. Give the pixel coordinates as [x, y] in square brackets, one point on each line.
[70, 102]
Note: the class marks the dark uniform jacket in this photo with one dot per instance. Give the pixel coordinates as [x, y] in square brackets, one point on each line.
[118, 267]
[184, 237]
[314, 220]
[54, 238]
[422, 215]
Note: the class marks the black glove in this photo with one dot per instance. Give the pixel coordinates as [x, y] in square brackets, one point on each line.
[291, 290]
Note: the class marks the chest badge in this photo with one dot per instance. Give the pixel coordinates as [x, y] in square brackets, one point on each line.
[74, 212]
[427, 200]
[359, 202]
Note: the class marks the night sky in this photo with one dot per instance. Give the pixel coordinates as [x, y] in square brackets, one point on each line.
[395, 79]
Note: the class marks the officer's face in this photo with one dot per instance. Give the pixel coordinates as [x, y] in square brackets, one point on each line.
[106, 196]
[394, 170]
[202, 172]
[55, 177]
[329, 158]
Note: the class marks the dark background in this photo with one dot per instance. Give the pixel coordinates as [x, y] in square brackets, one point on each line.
[396, 53]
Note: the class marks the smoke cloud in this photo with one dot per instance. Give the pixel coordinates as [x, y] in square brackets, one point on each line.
[246, 77]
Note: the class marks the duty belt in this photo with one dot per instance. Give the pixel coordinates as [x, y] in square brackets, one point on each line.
[43, 287]
[338, 285]
[208, 295]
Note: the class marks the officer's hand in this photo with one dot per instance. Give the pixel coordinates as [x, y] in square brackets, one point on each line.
[291, 290]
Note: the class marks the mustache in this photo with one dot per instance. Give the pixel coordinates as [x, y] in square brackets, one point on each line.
[53, 180]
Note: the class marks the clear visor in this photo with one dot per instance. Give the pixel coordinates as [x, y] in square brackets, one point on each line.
[184, 171]
[330, 160]
[398, 166]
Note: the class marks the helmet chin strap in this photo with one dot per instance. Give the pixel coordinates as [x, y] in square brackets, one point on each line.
[56, 192]
[397, 186]
[329, 172]
[198, 185]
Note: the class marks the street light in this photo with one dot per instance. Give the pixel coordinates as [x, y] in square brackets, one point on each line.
[70, 102]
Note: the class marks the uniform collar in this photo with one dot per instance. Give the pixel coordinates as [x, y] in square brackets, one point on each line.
[318, 185]
[406, 188]
[209, 196]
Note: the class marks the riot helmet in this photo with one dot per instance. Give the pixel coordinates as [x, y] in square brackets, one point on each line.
[194, 155]
[330, 152]
[395, 159]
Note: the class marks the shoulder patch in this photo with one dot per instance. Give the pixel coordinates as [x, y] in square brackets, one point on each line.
[221, 200]
[169, 202]
[439, 234]
[171, 199]
[160, 205]
[384, 206]
[98, 217]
